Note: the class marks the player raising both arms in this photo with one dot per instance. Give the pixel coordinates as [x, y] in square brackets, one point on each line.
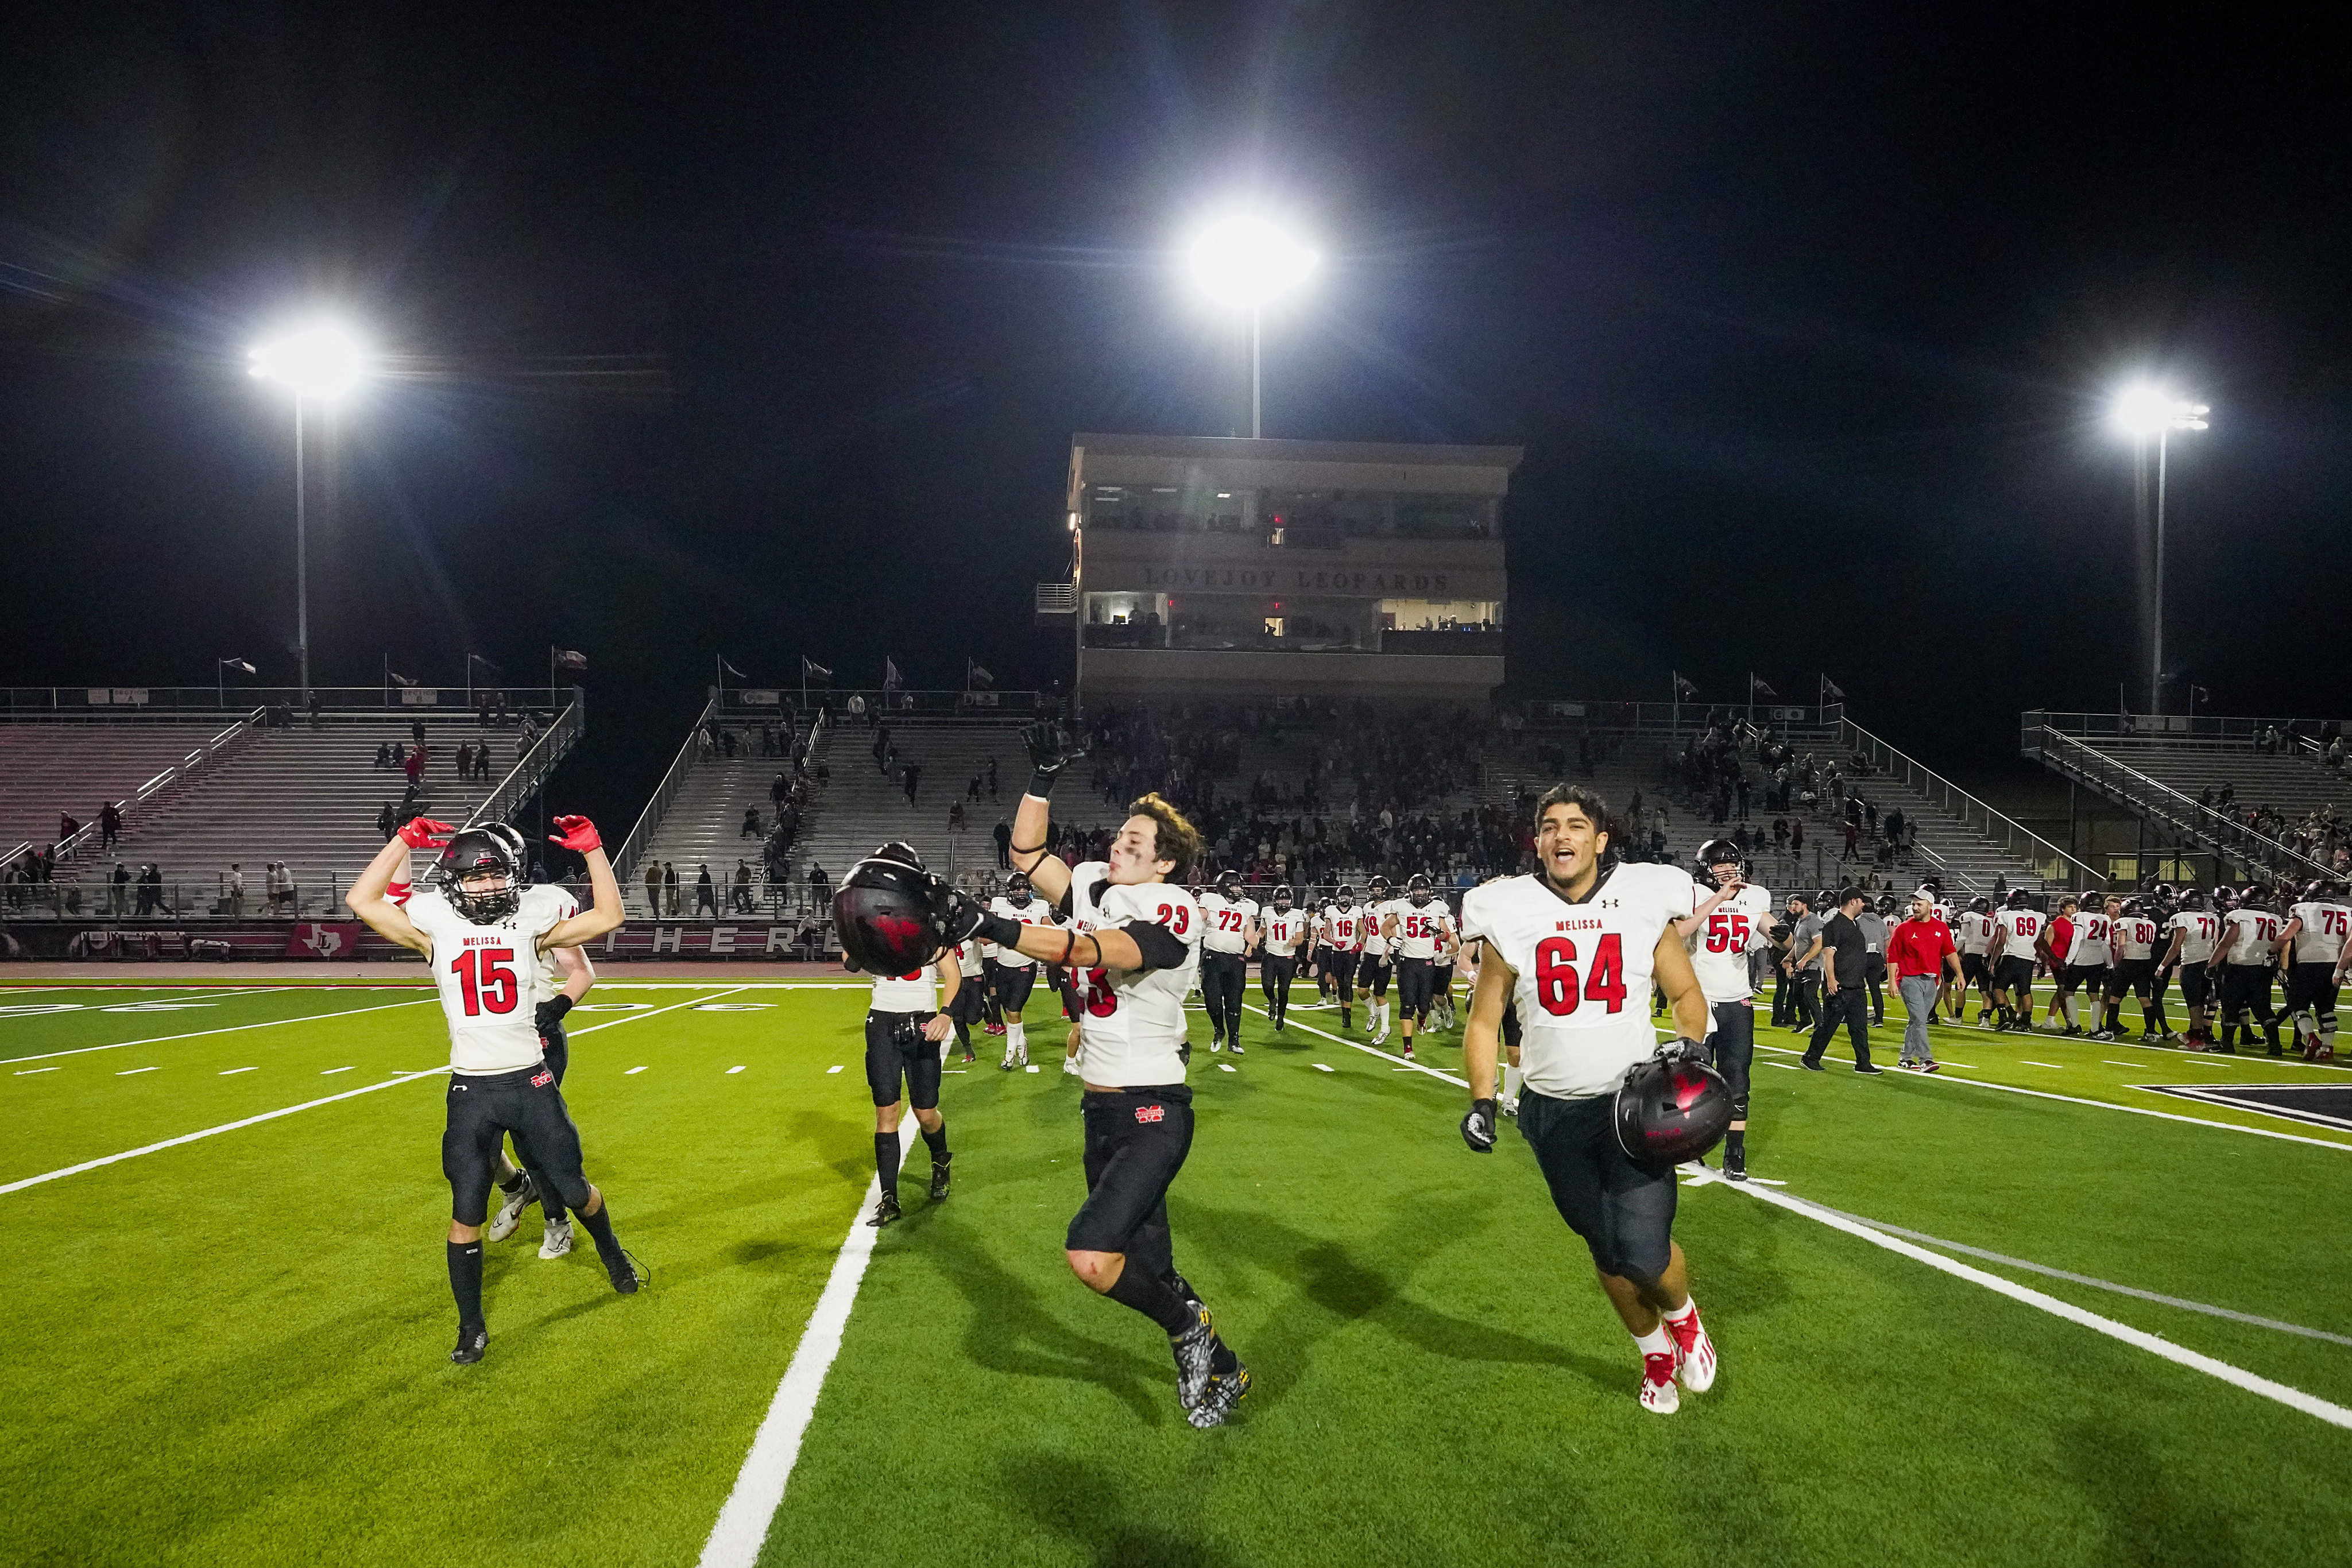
[1570, 943]
[1133, 946]
[486, 948]
[1721, 928]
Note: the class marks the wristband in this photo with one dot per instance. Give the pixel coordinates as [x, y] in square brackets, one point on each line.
[1040, 783]
[996, 928]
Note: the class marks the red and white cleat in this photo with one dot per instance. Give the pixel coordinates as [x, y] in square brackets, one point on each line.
[1658, 1384]
[1694, 1353]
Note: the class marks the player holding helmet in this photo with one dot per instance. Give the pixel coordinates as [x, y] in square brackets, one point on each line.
[1133, 946]
[886, 915]
[1570, 944]
[1726, 920]
[486, 939]
[1417, 927]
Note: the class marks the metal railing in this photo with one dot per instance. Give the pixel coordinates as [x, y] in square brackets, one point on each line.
[70, 846]
[317, 897]
[2175, 728]
[2216, 829]
[641, 836]
[1674, 718]
[895, 705]
[118, 703]
[532, 769]
[2020, 842]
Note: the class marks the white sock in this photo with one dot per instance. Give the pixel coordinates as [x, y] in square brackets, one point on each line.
[2073, 1012]
[1682, 1312]
[1657, 1342]
[1016, 1038]
[1511, 1077]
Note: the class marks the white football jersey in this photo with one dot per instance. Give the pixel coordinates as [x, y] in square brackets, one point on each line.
[1421, 929]
[1368, 927]
[1347, 927]
[917, 991]
[2019, 929]
[1718, 949]
[1131, 1026]
[1226, 921]
[1975, 931]
[1036, 912]
[2135, 938]
[2322, 936]
[2200, 929]
[967, 956]
[487, 976]
[2092, 930]
[551, 978]
[1284, 930]
[1584, 970]
[2247, 936]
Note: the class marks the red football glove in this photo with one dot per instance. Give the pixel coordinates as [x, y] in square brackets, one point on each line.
[417, 834]
[579, 835]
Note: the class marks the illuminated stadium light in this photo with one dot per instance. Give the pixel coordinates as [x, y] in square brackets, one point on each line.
[320, 362]
[2143, 411]
[2146, 409]
[1246, 262]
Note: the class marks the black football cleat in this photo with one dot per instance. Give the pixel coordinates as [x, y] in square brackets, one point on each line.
[472, 1342]
[1225, 1390]
[938, 1179]
[885, 1211]
[1734, 1165]
[626, 1276]
[1196, 1351]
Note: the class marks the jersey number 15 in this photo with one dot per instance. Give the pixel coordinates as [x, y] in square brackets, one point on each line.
[485, 980]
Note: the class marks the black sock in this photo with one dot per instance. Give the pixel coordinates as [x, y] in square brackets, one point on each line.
[514, 1183]
[1223, 1361]
[964, 1036]
[466, 1281]
[1734, 1143]
[937, 1142]
[886, 1160]
[1142, 1290]
[600, 1228]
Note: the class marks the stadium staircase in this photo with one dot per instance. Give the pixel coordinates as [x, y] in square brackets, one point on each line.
[48, 767]
[2161, 778]
[861, 807]
[310, 796]
[696, 817]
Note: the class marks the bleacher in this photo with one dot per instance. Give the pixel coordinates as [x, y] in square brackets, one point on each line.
[48, 766]
[861, 807]
[701, 822]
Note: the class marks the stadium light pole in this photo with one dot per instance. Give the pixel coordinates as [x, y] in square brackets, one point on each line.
[1246, 262]
[319, 363]
[2142, 410]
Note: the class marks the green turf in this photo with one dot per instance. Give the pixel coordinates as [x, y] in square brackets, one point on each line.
[233, 1350]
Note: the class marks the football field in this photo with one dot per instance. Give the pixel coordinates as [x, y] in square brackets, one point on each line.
[2068, 1301]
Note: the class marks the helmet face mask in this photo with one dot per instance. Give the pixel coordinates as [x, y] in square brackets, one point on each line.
[485, 858]
[1711, 855]
[1282, 897]
[1416, 889]
[1016, 888]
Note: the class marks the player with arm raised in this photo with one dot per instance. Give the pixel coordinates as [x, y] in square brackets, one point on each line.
[1570, 944]
[1133, 943]
[485, 947]
[1717, 933]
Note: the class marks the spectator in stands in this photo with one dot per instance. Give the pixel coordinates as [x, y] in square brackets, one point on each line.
[955, 816]
[383, 754]
[151, 889]
[820, 885]
[415, 769]
[465, 760]
[705, 892]
[109, 827]
[778, 788]
[1003, 835]
[991, 776]
[750, 828]
[742, 898]
[914, 776]
[387, 822]
[481, 762]
[653, 887]
[669, 886]
[416, 732]
[67, 826]
[232, 889]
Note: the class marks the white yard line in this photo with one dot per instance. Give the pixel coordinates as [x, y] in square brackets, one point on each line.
[2294, 1398]
[742, 1526]
[1368, 1051]
[233, 1029]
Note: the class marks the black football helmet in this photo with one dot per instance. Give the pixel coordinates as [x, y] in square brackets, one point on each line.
[890, 913]
[2019, 899]
[2194, 898]
[1712, 853]
[2321, 890]
[2254, 896]
[1346, 895]
[1672, 1108]
[1981, 905]
[1887, 905]
[1017, 889]
[1416, 889]
[1378, 890]
[481, 851]
[2225, 898]
[1228, 883]
[1282, 897]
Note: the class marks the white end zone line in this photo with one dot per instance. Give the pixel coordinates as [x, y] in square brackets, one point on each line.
[743, 1525]
[286, 1111]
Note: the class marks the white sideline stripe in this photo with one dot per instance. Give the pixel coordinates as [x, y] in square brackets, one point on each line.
[272, 1115]
[2294, 1398]
[128, 1070]
[27, 1072]
[742, 1524]
[233, 1029]
[330, 1071]
[233, 1072]
[2111, 1105]
[2029, 1061]
[1368, 1051]
[632, 1071]
[732, 1070]
[834, 1069]
[1321, 1068]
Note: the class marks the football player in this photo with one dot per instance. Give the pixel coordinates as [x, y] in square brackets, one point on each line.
[1230, 923]
[963, 1006]
[1373, 959]
[1013, 974]
[2053, 951]
[1975, 940]
[2313, 937]
[2133, 933]
[1570, 944]
[1133, 943]
[2248, 946]
[2195, 930]
[1416, 927]
[1726, 920]
[2010, 955]
[1343, 929]
[1282, 930]
[907, 1019]
[485, 947]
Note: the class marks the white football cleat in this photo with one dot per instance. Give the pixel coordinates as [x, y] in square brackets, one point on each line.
[557, 1240]
[1694, 1353]
[1510, 1107]
[1022, 1054]
[1658, 1391]
[510, 1214]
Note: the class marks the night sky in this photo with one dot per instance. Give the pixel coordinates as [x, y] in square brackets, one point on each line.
[765, 331]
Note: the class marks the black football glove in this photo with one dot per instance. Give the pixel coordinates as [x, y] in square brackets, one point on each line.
[1686, 1049]
[965, 918]
[1478, 1127]
[1051, 750]
[549, 1013]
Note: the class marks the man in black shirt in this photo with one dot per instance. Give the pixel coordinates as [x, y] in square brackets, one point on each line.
[1844, 971]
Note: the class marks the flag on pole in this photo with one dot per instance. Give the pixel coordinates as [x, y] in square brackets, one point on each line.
[571, 659]
[398, 680]
[478, 659]
[1683, 688]
[812, 671]
[891, 679]
[732, 669]
[241, 664]
[1831, 690]
[976, 674]
[1757, 689]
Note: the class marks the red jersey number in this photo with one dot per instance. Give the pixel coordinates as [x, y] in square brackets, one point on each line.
[1556, 979]
[1095, 993]
[1727, 933]
[485, 981]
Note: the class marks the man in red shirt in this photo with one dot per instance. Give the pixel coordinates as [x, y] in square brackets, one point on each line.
[1922, 955]
[2057, 941]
